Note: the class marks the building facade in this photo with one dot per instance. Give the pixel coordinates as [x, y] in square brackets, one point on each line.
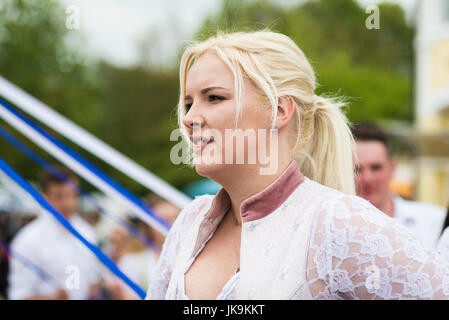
[432, 101]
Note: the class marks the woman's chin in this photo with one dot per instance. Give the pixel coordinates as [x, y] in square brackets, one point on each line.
[207, 169]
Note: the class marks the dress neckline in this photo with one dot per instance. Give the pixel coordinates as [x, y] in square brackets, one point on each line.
[263, 203]
[228, 286]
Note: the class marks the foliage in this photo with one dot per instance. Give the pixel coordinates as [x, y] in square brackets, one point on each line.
[35, 55]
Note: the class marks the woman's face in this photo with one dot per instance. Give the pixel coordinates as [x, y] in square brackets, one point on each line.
[211, 103]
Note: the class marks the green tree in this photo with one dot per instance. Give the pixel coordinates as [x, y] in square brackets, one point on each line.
[35, 55]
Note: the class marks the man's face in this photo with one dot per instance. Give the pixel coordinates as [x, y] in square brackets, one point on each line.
[63, 198]
[374, 172]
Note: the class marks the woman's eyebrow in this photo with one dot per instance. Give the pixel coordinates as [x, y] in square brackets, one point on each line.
[204, 91]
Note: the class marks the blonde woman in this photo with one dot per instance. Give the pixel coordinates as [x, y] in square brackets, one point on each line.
[297, 232]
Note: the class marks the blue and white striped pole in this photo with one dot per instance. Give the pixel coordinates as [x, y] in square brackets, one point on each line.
[49, 168]
[87, 141]
[81, 166]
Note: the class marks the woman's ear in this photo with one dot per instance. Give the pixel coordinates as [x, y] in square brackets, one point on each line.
[286, 110]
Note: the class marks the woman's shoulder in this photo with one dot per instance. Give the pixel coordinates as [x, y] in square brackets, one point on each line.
[189, 214]
[334, 204]
[328, 197]
[317, 189]
[196, 206]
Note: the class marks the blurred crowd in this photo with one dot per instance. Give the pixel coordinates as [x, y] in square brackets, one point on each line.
[39, 259]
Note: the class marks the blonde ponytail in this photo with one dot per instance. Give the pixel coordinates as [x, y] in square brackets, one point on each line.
[327, 151]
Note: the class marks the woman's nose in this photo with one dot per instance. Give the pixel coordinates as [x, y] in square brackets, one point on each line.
[194, 127]
[192, 120]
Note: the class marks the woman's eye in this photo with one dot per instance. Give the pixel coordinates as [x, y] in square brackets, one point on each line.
[188, 106]
[213, 98]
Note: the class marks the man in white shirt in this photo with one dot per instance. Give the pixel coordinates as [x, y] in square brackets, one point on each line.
[74, 270]
[374, 172]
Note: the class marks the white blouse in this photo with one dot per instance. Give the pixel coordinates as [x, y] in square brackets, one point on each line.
[354, 250]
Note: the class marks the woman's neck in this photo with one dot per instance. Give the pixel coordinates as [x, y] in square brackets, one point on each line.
[247, 182]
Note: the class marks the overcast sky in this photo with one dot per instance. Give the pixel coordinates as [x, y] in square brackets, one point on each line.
[112, 29]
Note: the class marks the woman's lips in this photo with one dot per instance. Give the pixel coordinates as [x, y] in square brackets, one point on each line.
[199, 149]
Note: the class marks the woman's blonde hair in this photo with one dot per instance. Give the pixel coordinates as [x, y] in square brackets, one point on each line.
[324, 146]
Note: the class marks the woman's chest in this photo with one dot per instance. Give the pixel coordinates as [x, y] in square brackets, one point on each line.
[272, 259]
[215, 263]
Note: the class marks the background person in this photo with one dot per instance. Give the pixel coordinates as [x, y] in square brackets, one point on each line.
[56, 251]
[374, 173]
[138, 261]
[164, 209]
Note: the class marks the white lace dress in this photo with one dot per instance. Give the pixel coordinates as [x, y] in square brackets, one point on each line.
[354, 252]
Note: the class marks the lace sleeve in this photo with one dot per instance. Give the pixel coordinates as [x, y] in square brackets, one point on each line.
[358, 252]
[443, 245]
[160, 278]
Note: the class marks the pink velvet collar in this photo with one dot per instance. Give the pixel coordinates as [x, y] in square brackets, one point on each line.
[263, 203]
